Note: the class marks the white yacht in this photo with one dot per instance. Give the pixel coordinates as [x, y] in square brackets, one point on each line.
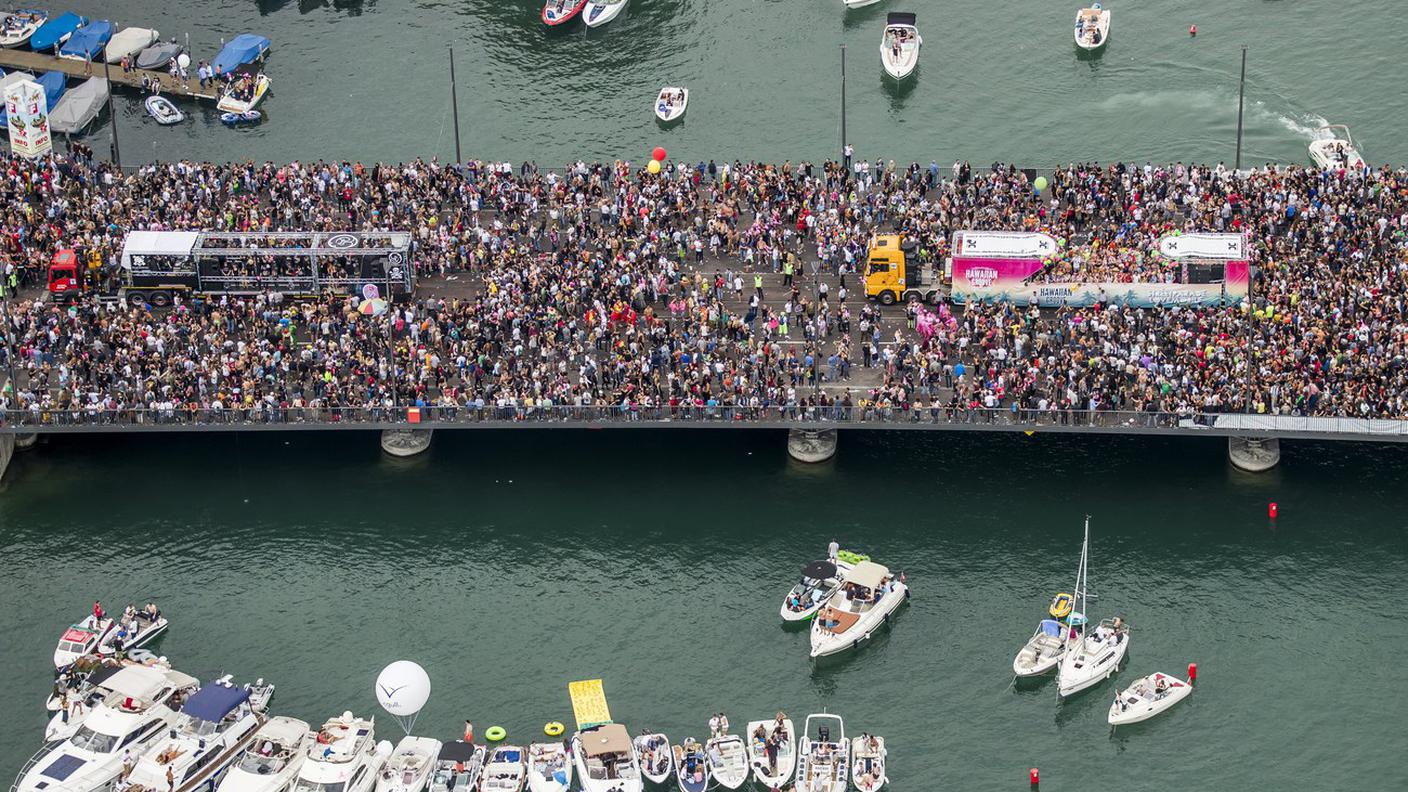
[137, 682]
[606, 759]
[1092, 27]
[410, 766]
[343, 757]
[868, 596]
[273, 758]
[772, 769]
[598, 12]
[1147, 697]
[549, 768]
[819, 581]
[1334, 149]
[1096, 654]
[215, 725]
[457, 767]
[506, 770]
[899, 46]
[728, 760]
[653, 754]
[81, 639]
[822, 755]
[868, 763]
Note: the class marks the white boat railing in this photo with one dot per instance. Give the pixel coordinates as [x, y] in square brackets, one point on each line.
[43, 751]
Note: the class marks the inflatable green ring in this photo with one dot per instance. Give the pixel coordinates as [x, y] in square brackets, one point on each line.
[495, 733]
[554, 729]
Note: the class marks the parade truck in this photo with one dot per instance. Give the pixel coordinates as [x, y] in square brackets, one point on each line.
[157, 266]
[894, 273]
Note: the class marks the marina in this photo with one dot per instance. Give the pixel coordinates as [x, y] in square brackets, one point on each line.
[77, 69]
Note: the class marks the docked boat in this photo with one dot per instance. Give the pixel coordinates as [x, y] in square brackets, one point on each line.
[899, 47]
[127, 42]
[728, 760]
[342, 756]
[56, 31]
[82, 638]
[556, 12]
[599, 12]
[87, 41]
[410, 766]
[1043, 651]
[158, 56]
[73, 114]
[868, 595]
[242, 50]
[506, 770]
[1096, 654]
[1092, 27]
[247, 118]
[19, 25]
[1147, 697]
[1334, 149]
[606, 759]
[163, 111]
[819, 582]
[823, 755]
[691, 766]
[772, 766]
[656, 760]
[549, 768]
[457, 767]
[216, 724]
[116, 682]
[274, 756]
[243, 94]
[671, 103]
[868, 763]
[141, 628]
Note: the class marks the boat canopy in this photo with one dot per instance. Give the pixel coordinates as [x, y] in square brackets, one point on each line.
[241, 49]
[1051, 627]
[867, 574]
[88, 41]
[56, 28]
[818, 570]
[610, 738]
[53, 83]
[457, 751]
[138, 682]
[214, 701]
[79, 107]
[899, 18]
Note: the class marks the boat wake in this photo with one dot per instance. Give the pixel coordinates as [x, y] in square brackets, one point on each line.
[1305, 125]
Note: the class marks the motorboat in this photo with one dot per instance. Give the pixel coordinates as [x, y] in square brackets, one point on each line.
[457, 767]
[1147, 697]
[343, 755]
[158, 56]
[819, 582]
[728, 760]
[141, 627]
[506, 770]
[273, 758]
[691, 766]
[556, 12]
[1096, 654]
[549, 768]
[606, 759]
[87, 41]
[1333, 151]
[1043, 651]
[127, 42]
[247, 118]
[599, 12]
[867, 597]
[83, 637]
[1092, 27]
[671, 103]
[656, 760]
[137, 682]
[899, 47]
[19, 25]
[868, 762]
[772, 769]
[56, 31]
[73, 114]
[216, 724]
[163, 111]
[859, 3]
[242, 50]
[410, 766]
[243, 94]
[823, 754]
[121, 724]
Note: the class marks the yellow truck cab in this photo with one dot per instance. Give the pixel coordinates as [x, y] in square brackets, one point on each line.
[893, 272]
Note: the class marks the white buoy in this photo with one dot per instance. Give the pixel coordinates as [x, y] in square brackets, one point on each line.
[811, 445]
[405, 442]
[1254, 454]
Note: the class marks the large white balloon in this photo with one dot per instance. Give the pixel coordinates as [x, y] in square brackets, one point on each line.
[402, 688]
[183, 60]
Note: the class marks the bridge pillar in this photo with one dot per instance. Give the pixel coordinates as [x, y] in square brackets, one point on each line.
[1254, 454]
[7, 450]
[811, 445]
[405, 442]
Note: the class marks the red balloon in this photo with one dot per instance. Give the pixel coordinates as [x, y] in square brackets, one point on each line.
[658, 153]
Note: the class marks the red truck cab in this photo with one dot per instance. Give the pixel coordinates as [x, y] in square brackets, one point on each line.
[65, 278]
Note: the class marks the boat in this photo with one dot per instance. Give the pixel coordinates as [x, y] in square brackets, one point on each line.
[457, 767]
[87, 41]
[556, 12]
[243, 94]
[277, 751]
[822, 754]
[859, 3]
[242, 50]
[248, 118]
[505, 771]
[1330, 151]
[19, 25]
[691, 766]
[606, 759]
[56, 31]
[158, 56]
[819, 582]
[1096, 654]
[866, 599]
[216, 724]
[132, 681]
[161, 109]
[772, 769]
[671, 103]
[74, 113]
[141, 628]
[868, 762]
[128, 42]
[410, 766]
[599, 12]
[1092, 27]
[899, 46]
[1043, 651]
[656, 760]
[342, 756]
[728, 760]
[549, 768]
[82, 638]
[1147, 697]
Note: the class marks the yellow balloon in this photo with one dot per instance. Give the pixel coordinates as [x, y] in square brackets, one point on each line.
[654, 166]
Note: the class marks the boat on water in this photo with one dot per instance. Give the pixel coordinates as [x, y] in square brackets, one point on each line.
[823, 755]
[81, 638]
[56, 31]
[215, 726]
[127, 42]
[1096, 654]
[1334, 149]
[899, 46]
[671, 104]
[342, 756]
[506, 770]
[549, 768]
[137, 627]
[1043, 651]
[134, 681]
[557, 12]
[868, 596]
[410, 765]
[457, 767]
[158, 56]
[819, 582]
[247, 118]
[868, 762]
[772, 751]
[656, 760]
[242, 50]
[273, 758]
[1092, 27]
[243, 94]
[19, 25]
[691, 766]
[87, 41]
[163, 111]
[1147, 697]
[599, 12]
[728, 760]
[606, 759]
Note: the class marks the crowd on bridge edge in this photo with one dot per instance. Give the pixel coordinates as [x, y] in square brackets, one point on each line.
[730, 286]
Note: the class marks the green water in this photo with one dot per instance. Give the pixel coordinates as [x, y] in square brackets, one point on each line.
[510, 563]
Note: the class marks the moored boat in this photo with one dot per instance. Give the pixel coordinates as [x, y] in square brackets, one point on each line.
[506, 770]
[163, 111]
[653, 753]
[243, 94]
[772, 751]
[1097, 653]
[242, 50]
[136, 627]
[599, 12]
[1147, 697]
[549, 768]
[457, 767]
[868, 762]
[728, 760]
[216, 724]
[56, 31]
[606, 759]
[247, 118]
[158, 56]
[128, 41]
[342, 756]
[19, 25]
[900, 44]
[557, 12]
[83, 637]
[823, 755]
[74, 112]
[819, 582]
[129, 680]
[867, 598]
[1334, 149]
[273, 758]
[87, 41]
[691, 766]
[1092, 27]
[410, 765]
[671, 104]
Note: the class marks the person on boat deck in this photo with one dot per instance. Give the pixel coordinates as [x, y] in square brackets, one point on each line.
[468, 731]
[98, 613]
[151, 611]
[723, 724]
[713, 725]
[760, 734]
[832, 551]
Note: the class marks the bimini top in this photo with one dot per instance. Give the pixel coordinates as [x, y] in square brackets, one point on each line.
[136, 682]
[241, 49]
[1051, 627]
[214, 701]
[457, 751]
[867, 574]
[610, 738]
[102, 673]
[899, 18]
[819, 570]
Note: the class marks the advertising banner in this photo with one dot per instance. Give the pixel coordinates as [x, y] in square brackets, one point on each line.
[28, 110]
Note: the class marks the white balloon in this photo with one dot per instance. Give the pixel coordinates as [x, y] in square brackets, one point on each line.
[183, 60]
[402, 688]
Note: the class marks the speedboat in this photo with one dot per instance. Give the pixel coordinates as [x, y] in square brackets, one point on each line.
[822, 755]
[728, 760]
[1043, 651]
[1092, 27]
[19, 25]
[216, 724]
[87, 41]
[599, 12]
[859, 3]
[72, 115]
[247, 118]
[691, 766]
[819, 582]
[556, 12]
[606, 759]
[242, 50]
[549, 768]
[505, 771]
[771, 769]
[243, 94]
[1096, 654]
[671, 103]
[899, 47]
[656, 760]
[119, 682]
[128, 41]
[56, 31]
[1147, 697]
[81, 639]
[273, 758]
[158, 56]
[868, 596]
[410, 766]
[161, 109]
[1332, 152]
[142, 627]
[457, 767]
[868, 762]
[342, 756]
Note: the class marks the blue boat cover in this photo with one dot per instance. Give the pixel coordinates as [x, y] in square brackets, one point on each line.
[242, 49]
[54, 83]
[89, 40]
[1051, 627]
[214, 701]
[63, 767]
[50, 32]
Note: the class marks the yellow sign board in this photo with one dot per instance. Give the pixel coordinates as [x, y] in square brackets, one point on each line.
[588, 703]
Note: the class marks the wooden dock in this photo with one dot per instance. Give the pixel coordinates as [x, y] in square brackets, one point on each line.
[37, 63]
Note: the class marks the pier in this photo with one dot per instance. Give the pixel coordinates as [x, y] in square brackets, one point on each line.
[37, 63]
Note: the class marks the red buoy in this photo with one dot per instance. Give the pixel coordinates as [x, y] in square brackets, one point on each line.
[1035, 776]
[1192, 673]
[1271, 510]
[1193, 30]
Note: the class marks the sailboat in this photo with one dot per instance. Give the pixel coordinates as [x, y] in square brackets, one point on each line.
[1097, 654]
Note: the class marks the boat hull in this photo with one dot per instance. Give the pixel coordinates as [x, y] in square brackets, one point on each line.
[1102, 28]
[553, 17]
[768, 776]
[598, 14]
[1073, 680]
[826, 643]
[1129, 708]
